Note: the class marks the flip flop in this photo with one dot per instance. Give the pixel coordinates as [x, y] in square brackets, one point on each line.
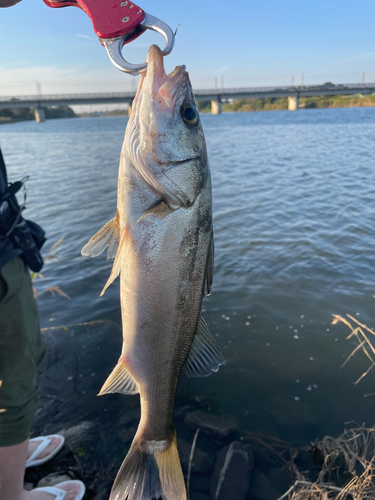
[33, 461]
[59, 493]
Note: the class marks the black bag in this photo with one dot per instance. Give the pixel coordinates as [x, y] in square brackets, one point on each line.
[24, 234]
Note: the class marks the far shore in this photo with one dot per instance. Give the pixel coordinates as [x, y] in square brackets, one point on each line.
[238, 105]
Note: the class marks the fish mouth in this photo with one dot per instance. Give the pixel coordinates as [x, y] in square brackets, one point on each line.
[164, 87]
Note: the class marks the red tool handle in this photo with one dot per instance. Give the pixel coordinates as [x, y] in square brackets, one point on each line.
[111, 18]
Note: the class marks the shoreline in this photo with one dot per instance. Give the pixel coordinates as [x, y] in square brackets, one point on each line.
[226, 462]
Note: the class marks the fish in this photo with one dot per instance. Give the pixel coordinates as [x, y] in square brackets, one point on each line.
[162, 241]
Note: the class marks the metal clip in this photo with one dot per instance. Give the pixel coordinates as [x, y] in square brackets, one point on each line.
[114, 46]
[117, 23]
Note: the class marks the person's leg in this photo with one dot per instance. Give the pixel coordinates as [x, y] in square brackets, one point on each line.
[12, 471]
[21, 351]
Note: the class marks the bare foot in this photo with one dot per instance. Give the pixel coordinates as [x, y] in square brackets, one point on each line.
[72, 491]
[55, 441]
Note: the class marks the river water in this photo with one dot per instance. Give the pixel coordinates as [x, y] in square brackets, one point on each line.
[294, 243]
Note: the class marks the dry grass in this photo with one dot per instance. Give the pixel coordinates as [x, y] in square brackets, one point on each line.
[360, 332]
[347, 470]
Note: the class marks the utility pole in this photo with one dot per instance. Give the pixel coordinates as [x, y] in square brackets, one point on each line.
[222, 82]
[133, 85]
[302, 79]
[38, 88]
[363, 79]
[215, 82]
[292, 80]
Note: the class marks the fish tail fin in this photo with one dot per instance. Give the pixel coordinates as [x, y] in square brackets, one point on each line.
[151, 470]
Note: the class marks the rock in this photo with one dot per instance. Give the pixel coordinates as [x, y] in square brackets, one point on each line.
[280, 478]
[221, 426]
[261, 487]
[200, 482]
[101, 488]
[196, 495]
[53, 478]
[202, 462]
[232, 473]
[127, 434]
[74, 435]
[130, 416]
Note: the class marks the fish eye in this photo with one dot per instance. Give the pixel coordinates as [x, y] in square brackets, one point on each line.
[190, 115]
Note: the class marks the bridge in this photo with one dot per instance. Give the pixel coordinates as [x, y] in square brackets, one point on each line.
[216, 96]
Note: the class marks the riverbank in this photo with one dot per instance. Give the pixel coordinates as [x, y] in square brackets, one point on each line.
[274, 103]
[14, 115]
[268, 104]
[225, 462]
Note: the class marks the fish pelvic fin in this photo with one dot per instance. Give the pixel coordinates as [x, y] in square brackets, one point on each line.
[205, 356]
[120, 258]
[107, 236]
[120, 381]
[151, 470]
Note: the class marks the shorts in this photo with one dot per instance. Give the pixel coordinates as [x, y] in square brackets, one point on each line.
[22, 349]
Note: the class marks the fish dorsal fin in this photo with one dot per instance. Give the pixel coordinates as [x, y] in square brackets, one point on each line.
[120, 258]
[205, 356]
[107, 236]
[120, 381]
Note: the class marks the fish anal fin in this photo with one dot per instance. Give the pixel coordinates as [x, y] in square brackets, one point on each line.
[119, 260]
[205, 356]
[120, 381]
[107, 236]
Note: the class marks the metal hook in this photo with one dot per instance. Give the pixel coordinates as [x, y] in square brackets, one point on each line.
[114, 45]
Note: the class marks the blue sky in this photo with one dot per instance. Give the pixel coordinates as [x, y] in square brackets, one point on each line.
[249, 43]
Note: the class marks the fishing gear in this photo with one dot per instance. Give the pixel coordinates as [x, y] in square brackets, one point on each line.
[117, 23]
[25, 235]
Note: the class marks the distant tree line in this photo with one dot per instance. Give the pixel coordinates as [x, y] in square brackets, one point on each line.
[22, 114]
[280, 103]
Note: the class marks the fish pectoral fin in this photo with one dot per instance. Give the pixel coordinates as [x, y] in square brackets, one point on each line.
[120, 258]
[160, 209]
[120, 381]
[107, 236]
[205, 356]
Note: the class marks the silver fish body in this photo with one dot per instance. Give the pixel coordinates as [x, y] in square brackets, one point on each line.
[163, 242]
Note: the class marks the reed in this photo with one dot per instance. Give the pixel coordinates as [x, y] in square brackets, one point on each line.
[360, 332]
[348, 460]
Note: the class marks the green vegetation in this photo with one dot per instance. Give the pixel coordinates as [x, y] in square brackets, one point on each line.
[21, 114]
[204, 106]
[115, 112]
[274, 103]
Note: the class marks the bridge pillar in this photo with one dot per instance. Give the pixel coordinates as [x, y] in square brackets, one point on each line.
[40, 115]
[293, 103]
[216, 107]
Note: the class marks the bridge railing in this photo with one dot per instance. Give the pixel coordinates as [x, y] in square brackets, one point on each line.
[56, 97]
[200, 92]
